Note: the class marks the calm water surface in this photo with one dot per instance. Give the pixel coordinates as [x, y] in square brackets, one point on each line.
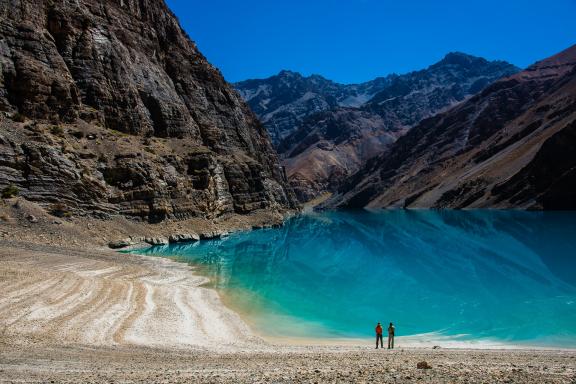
[476, 275]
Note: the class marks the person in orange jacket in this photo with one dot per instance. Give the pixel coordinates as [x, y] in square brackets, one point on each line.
[379, 335]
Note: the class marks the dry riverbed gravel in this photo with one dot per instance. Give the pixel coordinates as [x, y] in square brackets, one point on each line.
[286, 365]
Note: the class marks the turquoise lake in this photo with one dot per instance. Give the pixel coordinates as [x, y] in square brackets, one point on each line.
[503, 276]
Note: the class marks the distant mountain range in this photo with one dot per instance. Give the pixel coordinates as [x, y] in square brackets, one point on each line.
[325, 131]
[284, 101]
[513, 145]
[98, 118]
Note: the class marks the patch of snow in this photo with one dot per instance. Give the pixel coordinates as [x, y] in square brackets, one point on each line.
[356, 101]
[249, 94]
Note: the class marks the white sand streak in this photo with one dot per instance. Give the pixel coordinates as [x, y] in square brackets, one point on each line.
[106, 299]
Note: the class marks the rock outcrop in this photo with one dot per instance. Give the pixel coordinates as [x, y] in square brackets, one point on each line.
[326, 131]
[109, 108]
[511, 146]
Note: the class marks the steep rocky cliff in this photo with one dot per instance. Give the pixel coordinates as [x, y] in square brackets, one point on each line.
[511, 146]
[327, 131]
[108, 107]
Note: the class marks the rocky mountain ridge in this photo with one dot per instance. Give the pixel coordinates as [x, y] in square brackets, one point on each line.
[285, 100]
[326, 131]
[511, 146]
[109, 108]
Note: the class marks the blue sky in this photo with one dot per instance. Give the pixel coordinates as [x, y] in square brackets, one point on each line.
[356, 40]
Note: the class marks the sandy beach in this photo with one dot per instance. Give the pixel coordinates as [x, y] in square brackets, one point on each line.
[104, 298]
[70, 315]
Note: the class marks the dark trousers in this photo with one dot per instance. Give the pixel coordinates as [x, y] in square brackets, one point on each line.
[391, 341]
[379, 337]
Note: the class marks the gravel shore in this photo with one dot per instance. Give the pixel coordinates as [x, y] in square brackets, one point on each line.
[126, 364]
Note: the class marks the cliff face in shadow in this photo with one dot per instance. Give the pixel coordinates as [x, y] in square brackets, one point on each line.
[511, 146]
[110, 108]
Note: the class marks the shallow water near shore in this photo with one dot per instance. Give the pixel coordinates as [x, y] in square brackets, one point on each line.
[454, 276]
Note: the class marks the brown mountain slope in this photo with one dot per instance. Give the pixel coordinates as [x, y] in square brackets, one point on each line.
[513, 145]
[341, 142]
[330, 146]
[110, 108]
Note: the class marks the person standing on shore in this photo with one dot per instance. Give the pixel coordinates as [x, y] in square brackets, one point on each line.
[379, 336]
[391, 330]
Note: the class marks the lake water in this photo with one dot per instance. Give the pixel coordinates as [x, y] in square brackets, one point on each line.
[505, 277]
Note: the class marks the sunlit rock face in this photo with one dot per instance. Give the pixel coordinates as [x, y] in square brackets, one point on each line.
[511, 146]
[325, 131]
[122, 114]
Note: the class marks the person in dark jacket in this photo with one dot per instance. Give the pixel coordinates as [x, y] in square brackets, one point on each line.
[391, 330]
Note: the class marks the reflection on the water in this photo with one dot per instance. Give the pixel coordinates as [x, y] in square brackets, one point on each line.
[500, 275]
